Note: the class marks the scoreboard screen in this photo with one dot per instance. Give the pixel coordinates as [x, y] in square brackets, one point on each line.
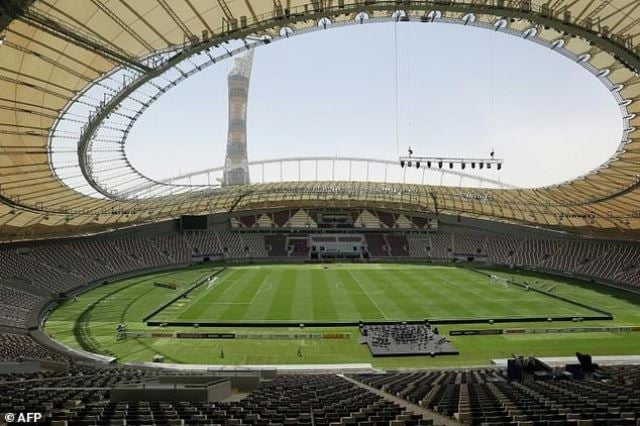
[194, 223]
[335, 219]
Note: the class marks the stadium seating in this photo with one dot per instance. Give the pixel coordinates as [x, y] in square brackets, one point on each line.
[631, 276]
[441, 245]
[174, 247]
[298, 246]
[203, 243]
[500, 249]
[143, 250]
[232, 245]
[615, 262]
[256, 244]
[419, 245]
[281, 218]
[107, 253]
[39, 275]
[83, 397]
[276, 244]
[377, 245]
[301, 219]
[397, 244]
[16, 306]
[368, 220]
[15, 347]
[484, 396]
[403, 222]
[309, 219]
[386, 219]
[469, 244]
[574, 254]
[535, 251]
[65, 258]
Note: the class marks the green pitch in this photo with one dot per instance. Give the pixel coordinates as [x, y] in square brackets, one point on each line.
[350, 293]
[338, 293]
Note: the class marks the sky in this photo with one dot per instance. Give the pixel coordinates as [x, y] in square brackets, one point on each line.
[461, 92]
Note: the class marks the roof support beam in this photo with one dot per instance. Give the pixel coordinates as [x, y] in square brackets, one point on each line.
[225, 9]
[172, 14]
[61, 30]
[251, 10]
[146, 22]
[195, 12]
[115, 18]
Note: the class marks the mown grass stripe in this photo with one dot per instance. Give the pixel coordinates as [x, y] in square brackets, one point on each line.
[323, 301]
[280, 308]
[390, 293]
[365, 305]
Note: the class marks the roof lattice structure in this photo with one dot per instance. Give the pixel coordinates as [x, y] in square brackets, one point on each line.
[72, 71]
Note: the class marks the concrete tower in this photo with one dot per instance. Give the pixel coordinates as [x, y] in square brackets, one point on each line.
[236, 167]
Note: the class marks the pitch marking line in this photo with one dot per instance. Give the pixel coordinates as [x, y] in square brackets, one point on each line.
[367, 294]
[231, 284]
[211, 283]
[227, 282]
[340, 286]
[265, 289]
[203, 293]
[190, 301]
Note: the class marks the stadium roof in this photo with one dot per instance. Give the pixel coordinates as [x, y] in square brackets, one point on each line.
[54, 50]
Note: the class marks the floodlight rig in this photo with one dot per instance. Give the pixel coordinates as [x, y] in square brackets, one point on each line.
[439, 162]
